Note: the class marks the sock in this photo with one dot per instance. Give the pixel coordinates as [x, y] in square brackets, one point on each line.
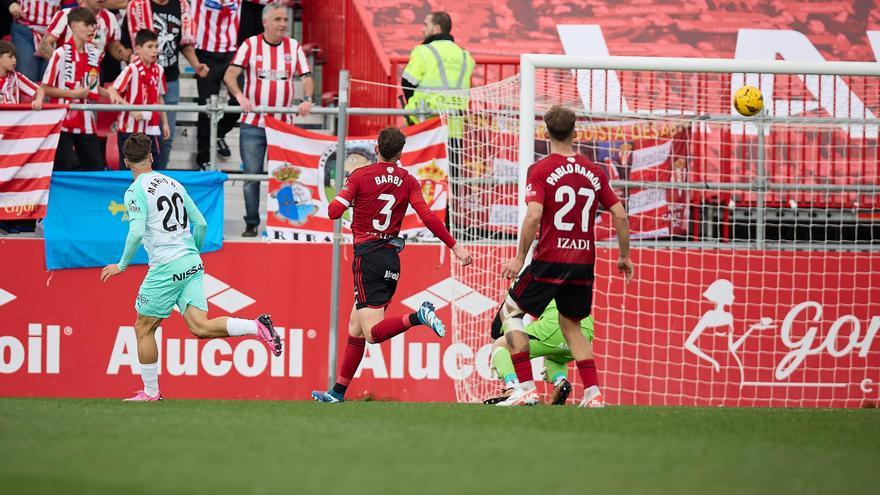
[504, 366]
[558, 379]
[150, 376]
[236, 327]
[587, 370]
[523, 366]
[351, 359]
[391, 326]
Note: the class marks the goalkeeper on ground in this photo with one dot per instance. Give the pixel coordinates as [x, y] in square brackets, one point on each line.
[546, 340]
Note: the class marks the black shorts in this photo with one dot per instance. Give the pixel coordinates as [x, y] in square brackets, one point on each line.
[375, 277]
[574, 295]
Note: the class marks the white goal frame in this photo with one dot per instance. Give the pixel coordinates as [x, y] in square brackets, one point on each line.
[529, 63]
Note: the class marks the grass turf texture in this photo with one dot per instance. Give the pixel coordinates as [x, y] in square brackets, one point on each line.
[104, 446]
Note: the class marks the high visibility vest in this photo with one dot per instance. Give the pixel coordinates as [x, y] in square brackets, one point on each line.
[439, 65]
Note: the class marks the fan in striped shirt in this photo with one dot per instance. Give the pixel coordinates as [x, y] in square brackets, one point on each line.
[14, 84]
[270, 62]
[142, 82]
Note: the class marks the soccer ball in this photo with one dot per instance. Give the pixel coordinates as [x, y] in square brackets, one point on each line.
[748, 100]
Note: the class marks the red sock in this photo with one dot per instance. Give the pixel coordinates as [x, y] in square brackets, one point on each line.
[389, 327]
[351, 359]
[587, 370]
[523, 366]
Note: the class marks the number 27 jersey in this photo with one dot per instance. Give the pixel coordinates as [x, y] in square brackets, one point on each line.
[571, 189]
[162, 202]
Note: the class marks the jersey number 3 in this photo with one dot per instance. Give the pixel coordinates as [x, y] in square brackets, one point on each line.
[386, 210]
[172, 206]
[566, 197]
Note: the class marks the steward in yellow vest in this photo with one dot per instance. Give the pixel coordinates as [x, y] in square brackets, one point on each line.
[436, 65]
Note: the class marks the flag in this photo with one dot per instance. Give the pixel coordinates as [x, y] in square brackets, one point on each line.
[87, 221]
[302, 181]
[28, 140]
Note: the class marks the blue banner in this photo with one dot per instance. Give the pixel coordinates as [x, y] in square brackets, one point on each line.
[86, 221]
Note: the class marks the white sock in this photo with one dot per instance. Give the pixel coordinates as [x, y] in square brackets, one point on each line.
[527, 386]
[150, 376]
[236, 327]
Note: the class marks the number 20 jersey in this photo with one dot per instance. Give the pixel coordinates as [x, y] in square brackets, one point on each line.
[571, 189]
[160, 201]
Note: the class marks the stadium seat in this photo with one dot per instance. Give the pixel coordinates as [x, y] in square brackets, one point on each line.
[111, 152]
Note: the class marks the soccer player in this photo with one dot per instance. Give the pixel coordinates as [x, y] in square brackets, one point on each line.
[563, 192]
[380, 194]
[142, 82]
[545, 340]
[160, 212]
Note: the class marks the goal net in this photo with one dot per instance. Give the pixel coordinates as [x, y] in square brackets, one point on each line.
[755, 239]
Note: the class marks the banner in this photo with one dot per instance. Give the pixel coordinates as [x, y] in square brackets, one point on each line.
[28, 140]
[641, 151]
[302, 182]
[87, 223]
[634, 150]
[804, 336]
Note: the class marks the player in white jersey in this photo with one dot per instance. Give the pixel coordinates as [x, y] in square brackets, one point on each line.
[160, 212]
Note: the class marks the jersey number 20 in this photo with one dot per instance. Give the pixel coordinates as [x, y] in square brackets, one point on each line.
[172, 206]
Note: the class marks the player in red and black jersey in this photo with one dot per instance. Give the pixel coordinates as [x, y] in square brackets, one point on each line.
[380, 195]
[563, 192]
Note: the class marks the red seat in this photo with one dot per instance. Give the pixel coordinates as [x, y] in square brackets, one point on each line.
[111, 152]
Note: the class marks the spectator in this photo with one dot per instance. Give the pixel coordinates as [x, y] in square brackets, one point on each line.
[30, 20]
[216, 26]
[270, 60]
[142, 82]
[106, 38]
[72, 76]
[172, 22]
[15, 84]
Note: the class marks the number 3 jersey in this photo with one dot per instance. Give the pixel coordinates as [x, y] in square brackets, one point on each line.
[163, 203]
[380, 195]
[570, 188]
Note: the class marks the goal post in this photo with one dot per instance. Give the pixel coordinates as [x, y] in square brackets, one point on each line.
[756, 239]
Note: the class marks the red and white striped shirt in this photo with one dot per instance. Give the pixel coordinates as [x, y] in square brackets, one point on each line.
[216, 24]
[269, 71]
[70, 69]
[13, 85]
[108, 29]
[141, 85]
[36, 14]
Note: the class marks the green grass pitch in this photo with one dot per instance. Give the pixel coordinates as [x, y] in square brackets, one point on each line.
[105, 446]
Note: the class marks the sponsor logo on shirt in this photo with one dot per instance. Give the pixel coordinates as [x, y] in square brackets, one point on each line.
[221, 4]
[272, 75]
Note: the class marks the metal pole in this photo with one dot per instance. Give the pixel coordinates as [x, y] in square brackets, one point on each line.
[761, 183]
[214, 113]
[526, 131]
[341, 130]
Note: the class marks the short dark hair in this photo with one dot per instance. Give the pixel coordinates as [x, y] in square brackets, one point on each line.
[391, 142]
[443, 20]
[6, 47]
[560, 123]
[82, 14]
[143, 36]
[136, 147]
